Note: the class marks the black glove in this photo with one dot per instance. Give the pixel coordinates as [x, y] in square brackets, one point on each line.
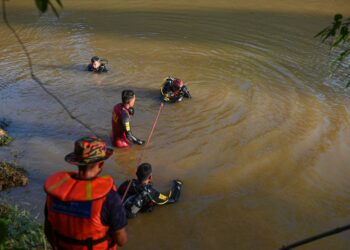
[169, 80]
[176, 191]
[140, 142]
[186, 91]
[131, 111]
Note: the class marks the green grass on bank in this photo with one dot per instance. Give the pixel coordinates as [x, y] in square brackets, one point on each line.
[19, 231]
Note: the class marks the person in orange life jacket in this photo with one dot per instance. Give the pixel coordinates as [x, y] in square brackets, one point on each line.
[122, 112]
[83, 210]
[142, 197]
[97, 65]
[174, 90]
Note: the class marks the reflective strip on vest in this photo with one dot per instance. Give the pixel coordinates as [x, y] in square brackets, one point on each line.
[59, 183]
[88, 190]
[65, 187]
[74, 210]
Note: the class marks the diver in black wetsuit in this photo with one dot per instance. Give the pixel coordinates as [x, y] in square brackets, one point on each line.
[97, 65]
[142, 197]
[174, 90]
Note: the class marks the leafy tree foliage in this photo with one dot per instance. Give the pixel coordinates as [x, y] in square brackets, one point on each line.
[338, 34]
[43, 5]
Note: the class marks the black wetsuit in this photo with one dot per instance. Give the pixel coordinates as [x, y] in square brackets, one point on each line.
[100, 69]
[174, 96]
[143, 198]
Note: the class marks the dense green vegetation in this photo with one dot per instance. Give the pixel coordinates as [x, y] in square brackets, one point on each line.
[19, 231]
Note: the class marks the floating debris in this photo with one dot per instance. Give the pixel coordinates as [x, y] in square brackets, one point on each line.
[4, 137]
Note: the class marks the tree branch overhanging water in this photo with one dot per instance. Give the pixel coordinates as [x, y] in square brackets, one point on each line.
[32, 73]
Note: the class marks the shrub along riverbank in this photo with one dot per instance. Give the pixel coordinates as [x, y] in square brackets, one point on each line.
[18, 230]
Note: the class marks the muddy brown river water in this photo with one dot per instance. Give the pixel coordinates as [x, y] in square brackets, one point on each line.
[263, 146]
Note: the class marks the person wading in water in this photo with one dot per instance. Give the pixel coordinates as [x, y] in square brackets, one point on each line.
[122, 112]
[141, 196]
[174, 90]
[97, 65]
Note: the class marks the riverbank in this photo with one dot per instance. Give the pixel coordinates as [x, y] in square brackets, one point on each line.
[18, 230]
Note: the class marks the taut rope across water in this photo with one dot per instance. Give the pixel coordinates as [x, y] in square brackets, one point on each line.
[148, 140]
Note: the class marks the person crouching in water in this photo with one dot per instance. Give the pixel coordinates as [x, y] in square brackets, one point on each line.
[122, 135]
[174, 90]
[97, 65]
[141, 196]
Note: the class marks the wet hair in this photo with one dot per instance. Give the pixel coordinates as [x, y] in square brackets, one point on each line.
[127, 95]
[143, 171]
[95, 59]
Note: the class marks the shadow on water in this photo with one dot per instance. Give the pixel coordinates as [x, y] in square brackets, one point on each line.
[68, 67]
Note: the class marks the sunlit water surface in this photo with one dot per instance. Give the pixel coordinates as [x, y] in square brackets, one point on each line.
[263, 146]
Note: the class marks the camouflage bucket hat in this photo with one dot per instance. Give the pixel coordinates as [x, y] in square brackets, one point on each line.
[89, 150]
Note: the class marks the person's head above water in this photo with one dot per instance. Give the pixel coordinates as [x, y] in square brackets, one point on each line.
[144, 173]
[128, 98]
[95, 62]
[177, 84]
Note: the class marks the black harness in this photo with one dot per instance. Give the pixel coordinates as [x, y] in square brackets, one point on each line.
[89, 242]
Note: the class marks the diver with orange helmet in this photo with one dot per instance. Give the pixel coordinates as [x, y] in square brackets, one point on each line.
[174, 90]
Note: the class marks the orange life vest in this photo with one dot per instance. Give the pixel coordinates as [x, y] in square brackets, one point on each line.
[74, 211]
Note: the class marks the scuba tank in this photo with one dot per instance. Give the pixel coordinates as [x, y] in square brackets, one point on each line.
[133, 205]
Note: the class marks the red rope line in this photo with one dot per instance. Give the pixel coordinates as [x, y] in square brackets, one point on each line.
[144, 149]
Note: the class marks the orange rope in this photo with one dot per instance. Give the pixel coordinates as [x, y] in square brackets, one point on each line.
[144, 149]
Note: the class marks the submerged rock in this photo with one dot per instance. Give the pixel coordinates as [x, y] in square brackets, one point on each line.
[12, 176]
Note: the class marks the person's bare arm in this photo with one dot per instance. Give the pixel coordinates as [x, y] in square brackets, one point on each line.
[120, 236]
